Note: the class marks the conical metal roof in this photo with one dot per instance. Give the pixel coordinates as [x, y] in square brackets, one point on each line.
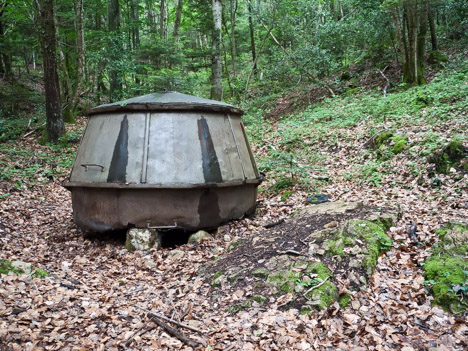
[165, 101]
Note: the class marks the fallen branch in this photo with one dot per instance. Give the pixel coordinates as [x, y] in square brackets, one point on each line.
[371, 140]
[160, 316]
[316, 286]
[274, 224]
[174, 331]
[33, 130]
[412, 233]
[289, 252]
[388, 82]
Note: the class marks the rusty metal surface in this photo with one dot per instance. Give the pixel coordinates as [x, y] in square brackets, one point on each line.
[166, 101]
[106, 209]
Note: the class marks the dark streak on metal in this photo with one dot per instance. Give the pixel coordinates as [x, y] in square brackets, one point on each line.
[208, 208]
[118, 165]
[211, 169]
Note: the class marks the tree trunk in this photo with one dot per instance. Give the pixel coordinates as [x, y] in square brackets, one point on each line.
[421, 42]
[54, 120]
[216, 68]
[151, 18]
[178, 17]
[162, 19]
[432, 28]
[5, 61]
[252, 40]
[115, 75]
[233, 10]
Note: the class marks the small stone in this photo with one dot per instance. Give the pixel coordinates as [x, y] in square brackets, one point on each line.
[176, 254]
[150, 263]
[199, 237]
[227, 238]
[331, 225]
[142, 239]
[260, 273]
[24, 266]
[317, 199]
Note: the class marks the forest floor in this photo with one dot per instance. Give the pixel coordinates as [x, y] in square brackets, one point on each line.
[97, 294]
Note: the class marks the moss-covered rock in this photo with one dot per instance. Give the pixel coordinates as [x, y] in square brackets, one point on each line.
[344, 300]
[399, 144]
[381, 139]
[447, 269]
[436, 57]
[450, 157]
[371, 234]
[20, 267]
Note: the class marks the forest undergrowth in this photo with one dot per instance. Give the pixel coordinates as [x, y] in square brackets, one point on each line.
[358, 146]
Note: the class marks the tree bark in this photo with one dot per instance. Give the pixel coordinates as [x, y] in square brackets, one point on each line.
[233, 10]
[421, 42]
[252, 40]
[216, 68]
[5, 62]
[115, 75]
[162, 19]
[54, 120]
[178, 18]
[432, 29]
[410, 21]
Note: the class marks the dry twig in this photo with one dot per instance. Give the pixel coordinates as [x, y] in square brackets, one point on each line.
[316, 286]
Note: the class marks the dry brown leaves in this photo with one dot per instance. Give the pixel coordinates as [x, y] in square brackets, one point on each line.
[94, 296]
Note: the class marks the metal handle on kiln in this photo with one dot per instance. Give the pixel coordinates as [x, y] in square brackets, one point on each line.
[86, 165]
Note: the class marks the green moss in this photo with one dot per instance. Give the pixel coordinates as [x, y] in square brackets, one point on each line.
[259, 299]
[234, 245]
[448, 274]
[283, 183]
[334, 247]
[382, 138]
[286, 195]
[284, 281]
[399, 144]
[344, 300]
[449, 157]
[324, 295]
[216, 281]
[442, 231]
[260, 273]
[39, 273]
[6, 267]
[376, 241]
[436, 57]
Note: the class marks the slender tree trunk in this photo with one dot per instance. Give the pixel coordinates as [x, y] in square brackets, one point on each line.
[252, 39]
[216, 68]
[54, 119]
[432, 28]
[5, 58]
[115, 75]
[151, 18]
[162, 19]
[70, 111]
[421, 42]
[178, 18]
[233, 10]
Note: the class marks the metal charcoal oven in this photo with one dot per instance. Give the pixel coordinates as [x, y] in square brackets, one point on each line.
[163, 160]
